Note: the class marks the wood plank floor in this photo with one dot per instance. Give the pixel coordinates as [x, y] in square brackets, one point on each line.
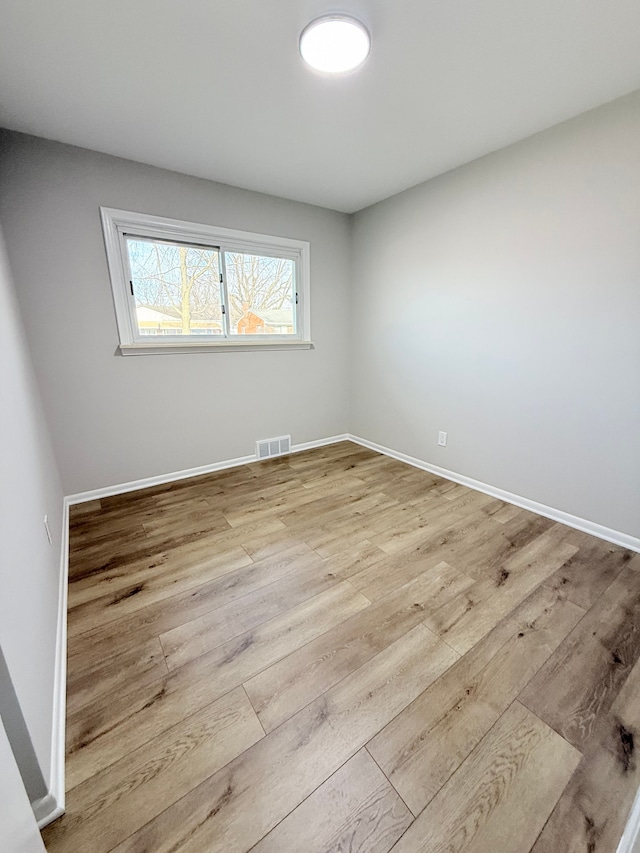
[334, 651]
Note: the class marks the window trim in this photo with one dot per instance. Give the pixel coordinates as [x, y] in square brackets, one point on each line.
[116, 222]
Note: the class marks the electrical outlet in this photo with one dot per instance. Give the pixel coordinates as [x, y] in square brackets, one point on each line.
[442, 438]
[46, 527]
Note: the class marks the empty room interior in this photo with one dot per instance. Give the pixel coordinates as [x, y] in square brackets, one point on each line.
[320, 435]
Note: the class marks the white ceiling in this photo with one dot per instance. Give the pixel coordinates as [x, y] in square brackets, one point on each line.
[217, 89]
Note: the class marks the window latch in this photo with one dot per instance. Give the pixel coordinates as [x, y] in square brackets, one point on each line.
[131, 286]
[296, 298]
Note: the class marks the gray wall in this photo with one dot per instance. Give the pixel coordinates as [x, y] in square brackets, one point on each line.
[15, 725]
[19, 830]
[116, 419]
[29, 566]
[501, 302]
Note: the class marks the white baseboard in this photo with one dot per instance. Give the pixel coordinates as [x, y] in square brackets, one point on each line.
[147, 482]
[583, 524]
[320, 442]
[161, 479]
[46, 810]
[629, 843]
[52, 806]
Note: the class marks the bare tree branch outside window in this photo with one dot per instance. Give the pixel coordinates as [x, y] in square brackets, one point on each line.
[177, 289]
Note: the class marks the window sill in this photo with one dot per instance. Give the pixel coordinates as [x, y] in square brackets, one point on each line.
[222, 346]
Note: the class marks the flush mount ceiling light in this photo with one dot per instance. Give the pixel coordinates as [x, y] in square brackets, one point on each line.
[334, 44]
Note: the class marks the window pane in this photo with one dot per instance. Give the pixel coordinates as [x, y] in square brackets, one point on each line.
[176, 288]
[261, 294]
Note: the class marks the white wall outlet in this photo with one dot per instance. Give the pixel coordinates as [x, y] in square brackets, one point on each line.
[442, 438]
[46, 527]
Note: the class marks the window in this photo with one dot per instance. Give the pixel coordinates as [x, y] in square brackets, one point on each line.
[181, 287]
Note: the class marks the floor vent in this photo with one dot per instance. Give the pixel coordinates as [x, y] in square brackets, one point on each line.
[273, 447]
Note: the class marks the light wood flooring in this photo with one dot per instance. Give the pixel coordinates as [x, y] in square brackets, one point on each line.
[334, 651]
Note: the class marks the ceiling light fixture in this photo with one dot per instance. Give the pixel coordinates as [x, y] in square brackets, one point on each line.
[334, 44]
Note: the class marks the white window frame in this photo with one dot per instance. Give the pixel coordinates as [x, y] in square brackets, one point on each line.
[117, 223]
